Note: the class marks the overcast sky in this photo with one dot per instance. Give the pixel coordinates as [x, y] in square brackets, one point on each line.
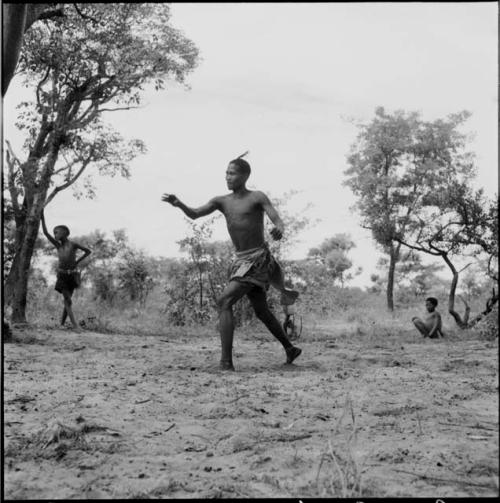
[283, 80]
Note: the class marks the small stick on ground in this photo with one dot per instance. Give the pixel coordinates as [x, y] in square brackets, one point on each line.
[439, 479]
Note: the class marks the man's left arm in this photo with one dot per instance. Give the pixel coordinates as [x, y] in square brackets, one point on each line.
[279, 227]
[86, 252]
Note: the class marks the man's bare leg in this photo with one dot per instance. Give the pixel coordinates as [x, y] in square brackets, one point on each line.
[64, 316]
[67, 306]
[420, 326]
[257, 297]
[232, 293]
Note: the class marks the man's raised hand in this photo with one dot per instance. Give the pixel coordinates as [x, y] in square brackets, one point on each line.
[170, 198]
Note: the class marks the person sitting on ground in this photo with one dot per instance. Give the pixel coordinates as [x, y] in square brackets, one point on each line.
[68, 277]
[432, 326]
[254, 268]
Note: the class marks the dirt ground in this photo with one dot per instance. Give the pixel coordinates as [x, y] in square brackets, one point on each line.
[110, 416]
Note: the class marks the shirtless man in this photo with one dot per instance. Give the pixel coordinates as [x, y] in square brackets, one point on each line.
[68, 278]
[254, 268]
[432, 326]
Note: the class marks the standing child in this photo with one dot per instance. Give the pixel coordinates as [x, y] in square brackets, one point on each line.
[68, 277]
[432, 326]
[254, 268]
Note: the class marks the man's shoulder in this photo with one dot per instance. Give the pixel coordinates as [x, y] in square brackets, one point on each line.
[219, 199]
[258, 194]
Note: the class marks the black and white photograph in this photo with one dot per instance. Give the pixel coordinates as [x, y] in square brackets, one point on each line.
[250, 250]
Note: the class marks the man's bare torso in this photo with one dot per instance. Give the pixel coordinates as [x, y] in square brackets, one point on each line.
[244, 218]
[431, 319]
[67, 255]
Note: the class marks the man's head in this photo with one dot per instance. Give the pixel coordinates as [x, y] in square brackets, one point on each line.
[431, 303]
[61, 232]
[237, 172]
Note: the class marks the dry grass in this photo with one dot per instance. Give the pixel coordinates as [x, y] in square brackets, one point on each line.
[56, 439]
[343, 478]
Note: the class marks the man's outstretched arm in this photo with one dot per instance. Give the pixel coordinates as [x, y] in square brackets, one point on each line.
[46, 232]
[279, 226]
[192, 213]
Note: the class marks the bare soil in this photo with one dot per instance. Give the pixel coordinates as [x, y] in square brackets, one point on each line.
[111, 416]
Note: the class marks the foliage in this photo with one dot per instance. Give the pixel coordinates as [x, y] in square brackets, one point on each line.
[332, 255]
[115, 270]
[294, 222]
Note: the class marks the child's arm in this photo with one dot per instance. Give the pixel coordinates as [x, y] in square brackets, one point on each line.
[279, 227]
[86, 252]
[192, 213]
[46, 232]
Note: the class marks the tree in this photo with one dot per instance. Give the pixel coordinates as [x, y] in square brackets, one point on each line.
[458, 221]
[196, 246]
[92, 60]
[332, 254]
[397, 160]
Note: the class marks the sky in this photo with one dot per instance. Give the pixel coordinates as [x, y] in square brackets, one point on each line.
[286, 81]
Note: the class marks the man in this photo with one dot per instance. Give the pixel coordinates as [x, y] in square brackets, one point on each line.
[68, 277]
[254, 268]
[432, 326]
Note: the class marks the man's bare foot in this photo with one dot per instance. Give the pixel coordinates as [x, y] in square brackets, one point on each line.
[226, 365]
[292, 353]
[76, 329]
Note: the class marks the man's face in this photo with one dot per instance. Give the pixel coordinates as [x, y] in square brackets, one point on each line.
[59, 233]
[429, 306]
[234, 177]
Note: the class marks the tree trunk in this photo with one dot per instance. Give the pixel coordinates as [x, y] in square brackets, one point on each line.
[16, 285]
[16, 19]
[451, 297]
[13, 25]
[393, 259]
[20, 290]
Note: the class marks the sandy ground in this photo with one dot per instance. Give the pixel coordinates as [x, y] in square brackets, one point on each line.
[109, 416]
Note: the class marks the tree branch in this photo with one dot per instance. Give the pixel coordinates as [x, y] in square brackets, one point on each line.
[71, 181]
[13, 190]
[130, 107]
[49, 14]
[418, 248]
[85, 16]
[463, 268]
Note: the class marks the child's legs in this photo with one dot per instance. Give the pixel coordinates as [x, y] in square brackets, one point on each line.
[234, 291]
[421, 326]
[257, 297]
[67, 294]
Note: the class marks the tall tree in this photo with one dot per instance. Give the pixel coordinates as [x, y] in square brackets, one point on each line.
[396, 161]
[96, 59]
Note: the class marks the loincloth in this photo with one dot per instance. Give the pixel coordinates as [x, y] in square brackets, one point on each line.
[256, 266]
[67, 279]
